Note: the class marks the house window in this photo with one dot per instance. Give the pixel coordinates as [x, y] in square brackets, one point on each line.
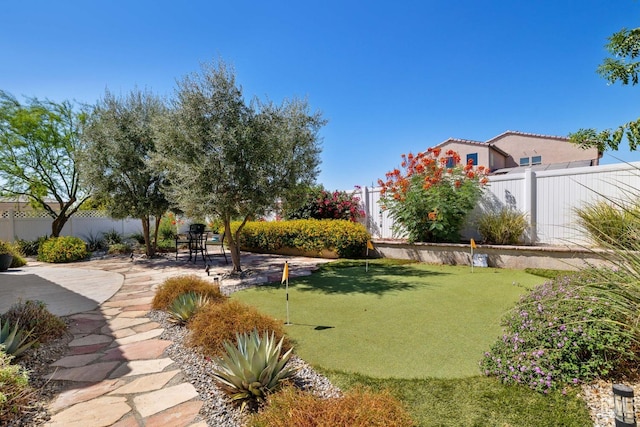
[451, 162]
[536, 160]
[473, 158]
[524, 161]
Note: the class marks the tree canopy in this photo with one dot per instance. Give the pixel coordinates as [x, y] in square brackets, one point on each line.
[121, 139]
[230, 159]
[622, 66]
[39, 146]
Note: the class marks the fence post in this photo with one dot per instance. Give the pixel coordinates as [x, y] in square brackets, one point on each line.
[367, 209]
[530, 204]
[12, 225]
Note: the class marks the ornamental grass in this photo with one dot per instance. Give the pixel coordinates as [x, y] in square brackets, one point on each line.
[33, 316]
[15, 392]
[357, 408]
[216, 323]
[173, 287]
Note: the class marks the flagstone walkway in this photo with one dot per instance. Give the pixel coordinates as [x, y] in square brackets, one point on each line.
[115, 368]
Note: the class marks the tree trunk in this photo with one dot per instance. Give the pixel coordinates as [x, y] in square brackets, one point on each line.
[58, 224]
[233, 246]
[145, 233]
[154, 246]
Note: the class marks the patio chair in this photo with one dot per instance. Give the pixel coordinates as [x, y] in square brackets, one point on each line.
[195, 241]
[217, 240]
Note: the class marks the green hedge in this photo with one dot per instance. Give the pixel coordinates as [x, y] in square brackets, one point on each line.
[347, 238]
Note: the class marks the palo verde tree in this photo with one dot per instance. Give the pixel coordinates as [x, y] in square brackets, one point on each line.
[229, 159]
[40, 142]
[121, 139]
[622, 66]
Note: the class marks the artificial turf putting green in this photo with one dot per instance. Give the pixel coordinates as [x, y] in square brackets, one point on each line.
[395, 321]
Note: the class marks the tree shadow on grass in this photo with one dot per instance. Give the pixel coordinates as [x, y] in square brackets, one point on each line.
[378, 280]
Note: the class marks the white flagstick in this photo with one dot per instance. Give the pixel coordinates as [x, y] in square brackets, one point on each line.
[287, 286]
[366, 268]
[285, 278]
[369, 246]
[472, 258]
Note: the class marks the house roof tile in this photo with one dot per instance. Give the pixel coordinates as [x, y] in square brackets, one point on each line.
[535, 135]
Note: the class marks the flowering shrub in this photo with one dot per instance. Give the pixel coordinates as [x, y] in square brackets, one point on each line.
[169, 224]
[62, 249]
[321, 204]
[431, 197]
[561, 333]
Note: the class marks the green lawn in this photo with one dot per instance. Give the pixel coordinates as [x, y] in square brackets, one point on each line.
[418, 331]
[401, 321]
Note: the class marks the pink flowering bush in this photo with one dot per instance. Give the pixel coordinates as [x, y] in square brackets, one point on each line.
[322, 204]
[562, 333]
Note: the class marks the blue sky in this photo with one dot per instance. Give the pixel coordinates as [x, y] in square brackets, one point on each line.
[391, 77]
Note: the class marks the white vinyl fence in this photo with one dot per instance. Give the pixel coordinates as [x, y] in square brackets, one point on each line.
[29, 225]
[549, 198]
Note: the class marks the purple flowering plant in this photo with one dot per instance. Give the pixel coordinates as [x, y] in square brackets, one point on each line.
[563, 332]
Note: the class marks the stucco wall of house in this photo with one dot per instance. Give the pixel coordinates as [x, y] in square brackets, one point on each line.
[551, 149]
[496, 160]
[464, 148]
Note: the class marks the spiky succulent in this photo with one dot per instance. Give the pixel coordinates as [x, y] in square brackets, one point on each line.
[14, 340]
[253, 369]
[185, 306]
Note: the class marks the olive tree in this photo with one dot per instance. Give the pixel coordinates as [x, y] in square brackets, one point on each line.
[121, 140]
[40, 142]
[230, 159]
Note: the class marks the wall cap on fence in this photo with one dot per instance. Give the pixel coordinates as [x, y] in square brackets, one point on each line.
[535, 248]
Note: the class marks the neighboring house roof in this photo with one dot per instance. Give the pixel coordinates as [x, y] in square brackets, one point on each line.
[472, 142]
[534, 135]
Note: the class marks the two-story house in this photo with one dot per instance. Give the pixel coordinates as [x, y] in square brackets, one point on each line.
[515, 151]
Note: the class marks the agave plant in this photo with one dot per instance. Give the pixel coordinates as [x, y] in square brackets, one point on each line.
[185, 306]
[14, 340]
[253, 369]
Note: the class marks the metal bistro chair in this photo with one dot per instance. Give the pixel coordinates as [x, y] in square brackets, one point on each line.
[216, 240]
[197, 242]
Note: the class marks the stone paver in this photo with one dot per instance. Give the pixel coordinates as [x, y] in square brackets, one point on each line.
[75, 361]
[125, 322]
[141, 367]
[93, 348]
[178, 416]
[89, 373]
[129, 421]
[116, 365]
[90, 340]
[77, 395]
[133, 314]
[149, 349]
[99, 412]
[146, 327]
[147, 335]
[147, 383]
[156, 401]
[129, 302]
